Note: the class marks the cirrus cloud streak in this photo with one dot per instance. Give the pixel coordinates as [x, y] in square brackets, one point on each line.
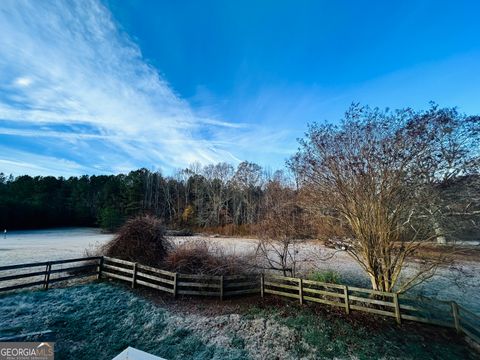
[66, 65]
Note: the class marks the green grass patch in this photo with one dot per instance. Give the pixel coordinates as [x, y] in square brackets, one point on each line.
[326, 276]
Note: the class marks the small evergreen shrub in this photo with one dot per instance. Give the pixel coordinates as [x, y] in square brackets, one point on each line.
[326, 276]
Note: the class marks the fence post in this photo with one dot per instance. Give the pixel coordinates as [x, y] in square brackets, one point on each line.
[221, 287]
[134, 275]
[456, 316]
[47, 276]
[99, 268]
[300, 290]
[398, 315]
[175, 277]
[262, 285]
[347, 299]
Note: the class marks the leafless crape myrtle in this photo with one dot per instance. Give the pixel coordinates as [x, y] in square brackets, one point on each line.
[390, 181]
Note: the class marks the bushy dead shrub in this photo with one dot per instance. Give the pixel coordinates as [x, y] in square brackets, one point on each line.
[141, 239]
[199, 257]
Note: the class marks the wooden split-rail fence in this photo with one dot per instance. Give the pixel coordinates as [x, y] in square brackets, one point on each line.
[401, 307]
[350, 298]
[180, 284]
[46, 273]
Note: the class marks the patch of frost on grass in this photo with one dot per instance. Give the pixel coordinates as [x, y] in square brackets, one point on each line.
[98, 321]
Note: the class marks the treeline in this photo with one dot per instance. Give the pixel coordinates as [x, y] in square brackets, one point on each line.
[198, 197]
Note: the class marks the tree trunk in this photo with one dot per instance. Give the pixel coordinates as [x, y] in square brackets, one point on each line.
[441, 239]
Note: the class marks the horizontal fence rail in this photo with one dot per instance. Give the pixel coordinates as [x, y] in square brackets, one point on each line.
[350, 298]
[46, 273]
[179, 284]
[468, 323]
[427, 311]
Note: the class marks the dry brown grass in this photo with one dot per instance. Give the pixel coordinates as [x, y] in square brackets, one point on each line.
[456, 252]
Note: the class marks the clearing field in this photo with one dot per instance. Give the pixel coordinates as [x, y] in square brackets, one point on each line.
[98, 320]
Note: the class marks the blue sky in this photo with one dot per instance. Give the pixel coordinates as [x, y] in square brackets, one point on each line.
[93, 87]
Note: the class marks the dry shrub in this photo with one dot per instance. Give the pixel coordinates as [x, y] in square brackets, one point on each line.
[199, 257]
[230, 230]
[141, 239]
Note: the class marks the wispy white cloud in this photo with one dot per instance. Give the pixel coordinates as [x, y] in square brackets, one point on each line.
[20, 162]
[66, 64]
[23, 81]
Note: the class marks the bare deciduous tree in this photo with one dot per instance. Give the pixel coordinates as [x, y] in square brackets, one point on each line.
[282, 226]
[377, 175]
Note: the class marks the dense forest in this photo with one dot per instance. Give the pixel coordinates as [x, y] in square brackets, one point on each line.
[209, 196]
